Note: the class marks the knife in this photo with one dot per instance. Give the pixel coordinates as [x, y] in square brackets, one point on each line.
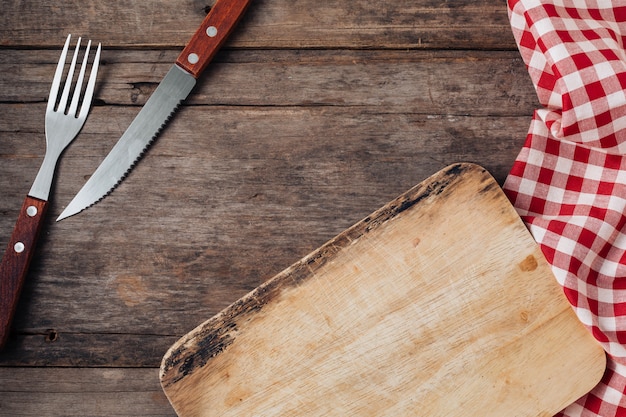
[161, 105]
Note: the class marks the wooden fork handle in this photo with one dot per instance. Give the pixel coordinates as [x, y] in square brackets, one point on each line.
[17, 256]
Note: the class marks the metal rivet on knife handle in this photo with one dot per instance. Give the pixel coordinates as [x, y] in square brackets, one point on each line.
[193, 59]
[213, 31]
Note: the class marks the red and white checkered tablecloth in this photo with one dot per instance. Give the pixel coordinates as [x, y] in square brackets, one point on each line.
[569, 181]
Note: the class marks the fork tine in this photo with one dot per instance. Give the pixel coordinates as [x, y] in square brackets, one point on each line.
[56, 81]
[90, 85]
[79, 83]
[68, 81]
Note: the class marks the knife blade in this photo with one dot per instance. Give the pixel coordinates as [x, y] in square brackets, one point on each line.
[162, 104]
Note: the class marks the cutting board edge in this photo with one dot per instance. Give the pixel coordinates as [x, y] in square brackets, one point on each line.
[255, 299]
[212, 336]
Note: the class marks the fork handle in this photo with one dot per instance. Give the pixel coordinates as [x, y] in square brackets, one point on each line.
[17, 256]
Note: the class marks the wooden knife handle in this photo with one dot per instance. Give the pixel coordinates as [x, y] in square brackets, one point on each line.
[211, 34]
[16, 259]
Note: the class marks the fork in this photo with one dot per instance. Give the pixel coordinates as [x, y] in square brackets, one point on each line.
[62, 124]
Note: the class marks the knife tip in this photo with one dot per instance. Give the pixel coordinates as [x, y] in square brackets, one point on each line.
[65, 214]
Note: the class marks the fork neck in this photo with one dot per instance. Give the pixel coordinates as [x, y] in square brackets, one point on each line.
[43, 182]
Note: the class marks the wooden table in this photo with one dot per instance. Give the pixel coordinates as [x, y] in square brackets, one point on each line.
[313, 116]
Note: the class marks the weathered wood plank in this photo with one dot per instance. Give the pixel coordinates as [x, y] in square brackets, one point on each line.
[475, 83]
[315, 114]
[212, 212]
[320, 114]
[58, 348]
[367, 141]
[466, 24]
[42, 392]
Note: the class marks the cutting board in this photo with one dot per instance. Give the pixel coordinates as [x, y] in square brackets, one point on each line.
[438, 304]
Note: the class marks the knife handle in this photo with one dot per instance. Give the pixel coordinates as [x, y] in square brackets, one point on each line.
[211, 34]
[16, 259]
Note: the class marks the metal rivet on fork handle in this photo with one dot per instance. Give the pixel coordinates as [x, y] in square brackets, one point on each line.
[19, 247]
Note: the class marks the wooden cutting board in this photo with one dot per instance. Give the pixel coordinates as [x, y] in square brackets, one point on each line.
[438, 304]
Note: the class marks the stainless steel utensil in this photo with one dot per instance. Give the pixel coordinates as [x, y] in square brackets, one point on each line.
[62, 123]
[159, 108]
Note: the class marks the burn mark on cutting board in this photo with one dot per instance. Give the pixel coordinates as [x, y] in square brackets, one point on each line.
[219, 332]
[432, 187]
[488, 188]
[206, 348]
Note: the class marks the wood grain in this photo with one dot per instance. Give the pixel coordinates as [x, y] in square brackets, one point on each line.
[477, 83]
[80, 392]
[16, 260]
[286, 190]
[269, 24]
[440, 301]
[312, 116]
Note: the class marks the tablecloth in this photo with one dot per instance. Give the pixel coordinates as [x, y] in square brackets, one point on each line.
[569, 181]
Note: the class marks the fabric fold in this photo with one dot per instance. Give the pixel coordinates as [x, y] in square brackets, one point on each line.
[569, 181]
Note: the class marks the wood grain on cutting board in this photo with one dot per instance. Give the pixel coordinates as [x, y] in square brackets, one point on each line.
[440, 303]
